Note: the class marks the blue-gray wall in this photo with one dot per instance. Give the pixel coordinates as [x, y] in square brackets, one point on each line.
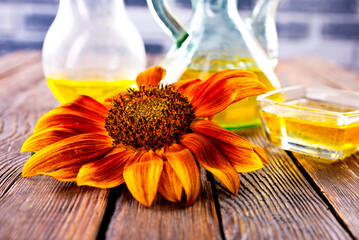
[329, 28]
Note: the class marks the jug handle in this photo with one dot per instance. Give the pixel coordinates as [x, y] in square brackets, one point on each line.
[167, 20]
[263, 17]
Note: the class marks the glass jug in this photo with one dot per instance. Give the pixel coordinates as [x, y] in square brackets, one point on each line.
[91, 48]
[217, 39]
[262, 24]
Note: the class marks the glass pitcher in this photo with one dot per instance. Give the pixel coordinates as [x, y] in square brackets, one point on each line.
[217, 39]
[91, 48]
[262, 25]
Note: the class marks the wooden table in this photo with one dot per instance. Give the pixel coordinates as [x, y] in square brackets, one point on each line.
[293, 197]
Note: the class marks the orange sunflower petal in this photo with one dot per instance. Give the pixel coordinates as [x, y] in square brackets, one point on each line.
[225, 75]
[237, 150]
[65, 120]
[108, 102]
[188, 88]
[151, 77]
[106, 172]
[159, 152]
[142, 177]
[169, 186]
[186, 169]
[261, 153]
[88, 103]
[66, 174]
[77, 115]
[223, 89]
[80, 107]
[68, 152]
[208, 155]
[46, 137]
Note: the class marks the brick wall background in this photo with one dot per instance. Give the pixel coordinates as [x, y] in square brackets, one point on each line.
[329, 28]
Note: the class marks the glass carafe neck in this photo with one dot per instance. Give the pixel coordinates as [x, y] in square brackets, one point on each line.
[212, 7]
[215, 17]
[87, 9]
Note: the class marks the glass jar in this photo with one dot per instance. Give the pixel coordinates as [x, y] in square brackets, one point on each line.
[92, 48]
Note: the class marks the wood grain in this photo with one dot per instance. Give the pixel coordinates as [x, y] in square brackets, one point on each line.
[276, 202]
[165, 220]
[316, 72]
[16, 60]
[329, 73]
[38, 207]
[14, 86]
[290, 74]
[339, 184]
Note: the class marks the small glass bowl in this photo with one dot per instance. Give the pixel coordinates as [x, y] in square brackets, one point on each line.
[319, 122]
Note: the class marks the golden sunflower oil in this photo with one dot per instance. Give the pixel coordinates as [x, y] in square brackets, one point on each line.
[240, 114]
[66, 90]
[324, 134]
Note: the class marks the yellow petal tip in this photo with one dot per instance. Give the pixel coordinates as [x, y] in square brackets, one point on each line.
[79, 184]
[147, 202]
[23, 149]
[26, 173]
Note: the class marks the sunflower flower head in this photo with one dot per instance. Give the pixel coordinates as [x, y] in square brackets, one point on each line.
[149, 118]
[152, 138]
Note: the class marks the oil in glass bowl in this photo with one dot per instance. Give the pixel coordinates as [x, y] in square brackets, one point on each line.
[318, 122]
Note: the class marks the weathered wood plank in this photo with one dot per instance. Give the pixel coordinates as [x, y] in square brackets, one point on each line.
[165, 220]
[43, 208]
[38, 207]
[290, 74]
[316, 72]
[329, 73]
[14, 85]
[276, 202]
[339, 184]
[12, 62]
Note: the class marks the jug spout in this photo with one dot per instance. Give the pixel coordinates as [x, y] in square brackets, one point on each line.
[262, 24]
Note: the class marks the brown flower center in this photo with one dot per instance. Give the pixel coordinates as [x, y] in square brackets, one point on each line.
[149, 117]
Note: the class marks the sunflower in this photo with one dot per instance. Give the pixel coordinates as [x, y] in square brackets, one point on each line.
[152, 138]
